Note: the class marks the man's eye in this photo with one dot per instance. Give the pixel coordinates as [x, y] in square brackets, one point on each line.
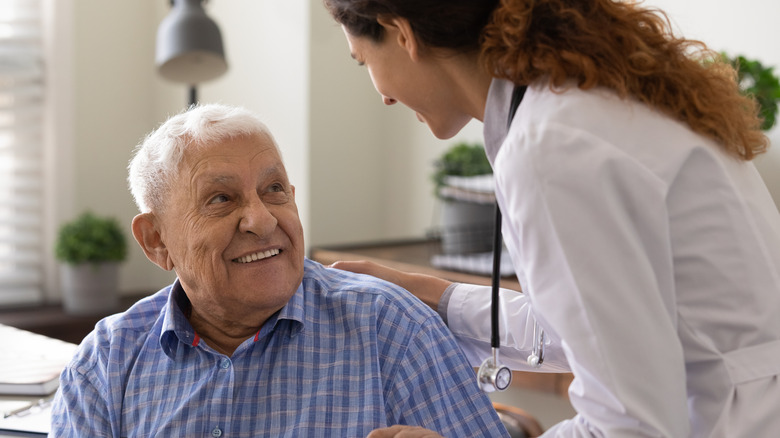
[277, 193]
[219, 199]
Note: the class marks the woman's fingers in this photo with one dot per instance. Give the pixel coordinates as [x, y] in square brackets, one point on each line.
[399, 431]
[425, 287]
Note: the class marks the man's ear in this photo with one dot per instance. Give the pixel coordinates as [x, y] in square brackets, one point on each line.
[147, 234]
[400, 29]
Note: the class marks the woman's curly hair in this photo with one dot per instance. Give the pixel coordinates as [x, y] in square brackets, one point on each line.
[629, 49]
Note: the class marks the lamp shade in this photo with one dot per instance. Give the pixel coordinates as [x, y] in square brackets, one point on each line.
[189, 45]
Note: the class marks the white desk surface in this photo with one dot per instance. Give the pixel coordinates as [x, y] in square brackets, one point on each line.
[36, 419]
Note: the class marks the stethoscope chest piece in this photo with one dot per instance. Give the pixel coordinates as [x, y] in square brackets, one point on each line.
[493, 376]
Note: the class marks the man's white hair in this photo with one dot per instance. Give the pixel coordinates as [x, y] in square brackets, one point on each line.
[155, 162]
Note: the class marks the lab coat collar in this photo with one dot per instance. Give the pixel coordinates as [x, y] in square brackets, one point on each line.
[496, 113]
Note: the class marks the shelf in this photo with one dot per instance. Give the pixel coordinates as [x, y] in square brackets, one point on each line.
[52, 321]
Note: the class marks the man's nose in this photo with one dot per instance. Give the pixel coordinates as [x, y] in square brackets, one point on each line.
[257, 218]
[388, 100]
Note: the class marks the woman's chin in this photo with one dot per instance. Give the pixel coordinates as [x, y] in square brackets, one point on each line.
[445, 131]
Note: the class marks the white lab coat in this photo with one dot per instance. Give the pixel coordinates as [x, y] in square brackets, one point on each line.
[651, 259]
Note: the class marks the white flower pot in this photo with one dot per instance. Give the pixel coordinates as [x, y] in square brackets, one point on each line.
[90, 289]
[467, 227]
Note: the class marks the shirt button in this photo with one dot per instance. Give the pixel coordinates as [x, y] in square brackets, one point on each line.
[225, 364]
[217, 432]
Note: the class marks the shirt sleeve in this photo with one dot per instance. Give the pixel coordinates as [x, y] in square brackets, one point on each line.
[434, 387]
[79, 408]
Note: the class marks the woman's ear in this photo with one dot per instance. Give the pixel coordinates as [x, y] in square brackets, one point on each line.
[401, 31]
[147, 234]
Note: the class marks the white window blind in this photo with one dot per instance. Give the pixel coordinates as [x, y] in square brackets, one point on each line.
[21, 151]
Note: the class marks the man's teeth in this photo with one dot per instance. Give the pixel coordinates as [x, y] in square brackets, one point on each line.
[257, 256]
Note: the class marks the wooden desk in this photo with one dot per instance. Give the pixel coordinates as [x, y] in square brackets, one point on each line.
[415, 256]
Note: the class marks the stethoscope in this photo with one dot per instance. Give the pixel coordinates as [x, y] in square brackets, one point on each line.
[492, 375]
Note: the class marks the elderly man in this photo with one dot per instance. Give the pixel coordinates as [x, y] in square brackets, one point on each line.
[253, 339]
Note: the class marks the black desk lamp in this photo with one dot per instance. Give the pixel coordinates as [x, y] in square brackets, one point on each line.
[189, 46]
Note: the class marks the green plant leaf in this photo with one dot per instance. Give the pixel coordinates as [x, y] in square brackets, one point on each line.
[90, 239]
[760, 82]
[462, 159]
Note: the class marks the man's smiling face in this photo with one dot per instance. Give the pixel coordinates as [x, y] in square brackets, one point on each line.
[232, 231]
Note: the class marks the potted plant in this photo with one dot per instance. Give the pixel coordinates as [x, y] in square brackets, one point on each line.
[759, 81]
[91, 248]
[464, 184]
[762, 82]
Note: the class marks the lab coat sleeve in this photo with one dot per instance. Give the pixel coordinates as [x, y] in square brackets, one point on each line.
[468, 317]
[590, 229]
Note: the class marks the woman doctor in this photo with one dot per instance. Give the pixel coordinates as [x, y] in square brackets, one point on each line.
[645, 241]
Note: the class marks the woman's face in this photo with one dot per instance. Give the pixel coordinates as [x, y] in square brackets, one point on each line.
[417, 79]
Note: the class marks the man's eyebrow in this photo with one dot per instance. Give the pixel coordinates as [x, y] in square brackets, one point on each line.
[274, 171]
[207, 183]
[220, 179]
[268, 172]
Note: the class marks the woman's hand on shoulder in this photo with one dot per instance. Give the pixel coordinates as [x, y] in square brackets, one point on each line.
[399, 431]
[425, 287]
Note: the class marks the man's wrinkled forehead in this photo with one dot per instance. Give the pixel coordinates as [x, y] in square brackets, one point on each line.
[192, 159]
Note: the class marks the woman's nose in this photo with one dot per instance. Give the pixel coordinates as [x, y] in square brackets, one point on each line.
[388, 100]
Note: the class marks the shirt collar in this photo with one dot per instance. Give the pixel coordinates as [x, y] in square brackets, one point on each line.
[295, 308]
[177, 330]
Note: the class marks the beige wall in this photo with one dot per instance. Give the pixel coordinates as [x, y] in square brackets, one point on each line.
[114, 106]
[361, 169]
[748, 28]
[370, 162]
[118, 98]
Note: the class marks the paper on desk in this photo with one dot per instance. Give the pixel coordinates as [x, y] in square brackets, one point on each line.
[9, 406]
[33, 421]
[31, 363]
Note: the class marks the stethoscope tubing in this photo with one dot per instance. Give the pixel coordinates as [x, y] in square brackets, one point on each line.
[536, 357]
[495, 337]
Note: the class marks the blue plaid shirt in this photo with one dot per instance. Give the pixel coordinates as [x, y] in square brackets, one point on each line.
[347, 354]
